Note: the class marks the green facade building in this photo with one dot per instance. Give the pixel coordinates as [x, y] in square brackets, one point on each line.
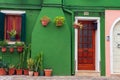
[67, 50]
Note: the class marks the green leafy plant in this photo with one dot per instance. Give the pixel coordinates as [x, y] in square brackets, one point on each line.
[11, 66]
[12, 33]
[4, 43]
[18, 43]
[38, 62]
[30, 64]
[59, 20]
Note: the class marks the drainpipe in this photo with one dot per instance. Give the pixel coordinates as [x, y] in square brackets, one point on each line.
[72, 44]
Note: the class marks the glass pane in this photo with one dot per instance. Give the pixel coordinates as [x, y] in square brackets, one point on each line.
[85, 26]
[85, 32]
[90, 32]
[80, 32]
[85, 39]
[85, 45]
[80, 39]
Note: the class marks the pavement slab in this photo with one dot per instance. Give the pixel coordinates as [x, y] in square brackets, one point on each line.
[22, 77]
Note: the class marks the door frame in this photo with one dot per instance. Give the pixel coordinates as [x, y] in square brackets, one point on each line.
[97, 42]
[111, 44]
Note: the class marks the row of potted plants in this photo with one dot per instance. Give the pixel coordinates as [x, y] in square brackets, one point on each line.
[36, 64]
[59, 20]
[27, 65]
[34, 67]
[18, 45]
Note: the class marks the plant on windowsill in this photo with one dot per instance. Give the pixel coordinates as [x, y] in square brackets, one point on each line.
[3, 45]
[20, 46]
[59, 21]
[45, 20]
[11, 48]
[12, 34]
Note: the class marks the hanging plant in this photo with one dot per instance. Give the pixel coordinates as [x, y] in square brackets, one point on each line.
[78, 25]
[45, 20]
[59, 20]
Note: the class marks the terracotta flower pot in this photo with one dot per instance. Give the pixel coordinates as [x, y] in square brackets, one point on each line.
[11, 50]
[3, 49]
[44, 23]
[59, 23]
[19, 71]
[36, 73]
[11, 71]
[26, 71]
[48, 72]
[2, 71]
[19, 49]
[76, 26]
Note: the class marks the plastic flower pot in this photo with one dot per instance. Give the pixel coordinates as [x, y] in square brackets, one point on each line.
[30, 73]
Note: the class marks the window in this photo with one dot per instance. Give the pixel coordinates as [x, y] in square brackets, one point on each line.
[10, 20]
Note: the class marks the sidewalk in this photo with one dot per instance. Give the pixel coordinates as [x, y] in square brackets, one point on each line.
[56, 78]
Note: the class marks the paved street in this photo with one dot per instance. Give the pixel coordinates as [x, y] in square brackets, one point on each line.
[57, 78]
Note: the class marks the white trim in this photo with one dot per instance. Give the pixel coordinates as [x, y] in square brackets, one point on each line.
[111, 44]
[97, 39]
[12, 12]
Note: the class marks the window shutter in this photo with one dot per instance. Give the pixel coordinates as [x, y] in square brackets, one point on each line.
[2, 22]
[23, 28]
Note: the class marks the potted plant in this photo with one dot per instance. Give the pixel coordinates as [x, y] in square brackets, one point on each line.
[45, 20]
[41, 64]
[3, 67]
[18, 69]
[11, 69]
[19, 46]
[59, 21]
[11, 48]
[30, 64]
[3, 46]
[12, 34]
[26, 71]
[78, 25]
[37, 64]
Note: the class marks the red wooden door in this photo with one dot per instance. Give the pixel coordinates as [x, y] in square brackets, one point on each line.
[86, 46]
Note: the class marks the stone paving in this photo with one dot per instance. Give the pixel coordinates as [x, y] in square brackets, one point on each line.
[57, 78]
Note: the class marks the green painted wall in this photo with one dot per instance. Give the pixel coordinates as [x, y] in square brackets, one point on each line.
[57, 44]
[54, 42]
[100, 3]
[52, 1]
[32, 2]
